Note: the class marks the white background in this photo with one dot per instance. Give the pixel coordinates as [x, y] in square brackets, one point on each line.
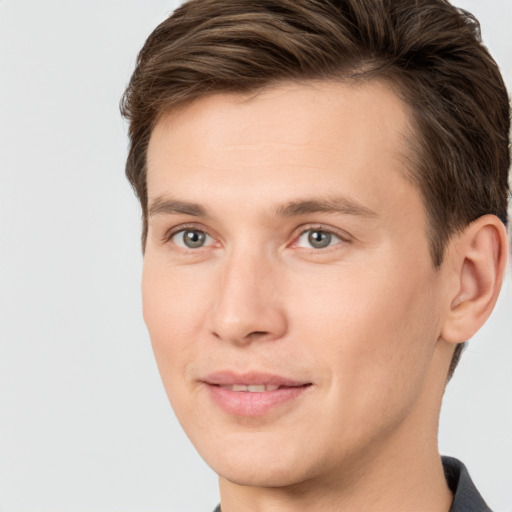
[84, 421]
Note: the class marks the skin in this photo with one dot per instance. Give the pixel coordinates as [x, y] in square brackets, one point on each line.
[367, 321]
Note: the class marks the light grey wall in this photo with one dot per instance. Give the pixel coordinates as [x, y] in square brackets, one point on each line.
[84, 421]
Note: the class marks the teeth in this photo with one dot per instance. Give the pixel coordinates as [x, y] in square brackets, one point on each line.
[253, 388]
[256, 388]
[239, 387]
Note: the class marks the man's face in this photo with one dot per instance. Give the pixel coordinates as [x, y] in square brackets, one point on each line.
[288, 288]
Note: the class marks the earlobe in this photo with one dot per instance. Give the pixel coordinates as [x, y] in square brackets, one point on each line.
[479, 260]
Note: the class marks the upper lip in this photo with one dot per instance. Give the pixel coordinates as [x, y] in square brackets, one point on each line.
[229, 378]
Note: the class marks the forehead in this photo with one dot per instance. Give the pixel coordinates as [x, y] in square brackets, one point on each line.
[289, 140]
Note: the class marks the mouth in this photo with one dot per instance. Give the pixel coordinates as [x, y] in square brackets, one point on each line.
[254, 394]
[252, 388]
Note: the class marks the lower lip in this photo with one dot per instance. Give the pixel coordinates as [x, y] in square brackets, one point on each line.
[245, 403]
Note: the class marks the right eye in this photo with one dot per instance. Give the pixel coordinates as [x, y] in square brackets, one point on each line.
[191, 238]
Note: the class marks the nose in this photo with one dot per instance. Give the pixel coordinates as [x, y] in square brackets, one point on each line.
[248, 305]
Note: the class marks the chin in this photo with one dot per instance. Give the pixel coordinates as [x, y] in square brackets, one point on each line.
[255, 474]
[260, 463]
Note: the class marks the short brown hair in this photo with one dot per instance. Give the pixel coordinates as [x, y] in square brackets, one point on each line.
[429, 51]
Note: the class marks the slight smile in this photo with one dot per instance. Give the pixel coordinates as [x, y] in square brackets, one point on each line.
[252, 394]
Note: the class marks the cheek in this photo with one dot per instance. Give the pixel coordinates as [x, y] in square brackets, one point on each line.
[372, 327]
[173, 302]
[394, 360]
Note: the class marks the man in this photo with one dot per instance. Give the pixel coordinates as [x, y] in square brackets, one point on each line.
[324, 193]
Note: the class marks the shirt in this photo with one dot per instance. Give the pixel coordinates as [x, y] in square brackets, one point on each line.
[466, 498]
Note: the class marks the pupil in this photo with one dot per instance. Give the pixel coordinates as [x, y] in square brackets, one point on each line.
[194, 239]
[319, 239]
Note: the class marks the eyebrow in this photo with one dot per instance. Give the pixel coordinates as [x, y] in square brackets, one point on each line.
[297, 208]
[339, 205]
[171, 206]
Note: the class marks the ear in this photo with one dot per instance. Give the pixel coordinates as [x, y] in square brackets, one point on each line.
[477, 261]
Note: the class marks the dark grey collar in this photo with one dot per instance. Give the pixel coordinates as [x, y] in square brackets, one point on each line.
[465, 496]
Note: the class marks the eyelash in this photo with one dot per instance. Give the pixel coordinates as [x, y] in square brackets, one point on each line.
[344, 238]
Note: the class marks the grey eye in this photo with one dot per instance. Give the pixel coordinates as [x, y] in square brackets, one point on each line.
[317, 239]
[190, 238]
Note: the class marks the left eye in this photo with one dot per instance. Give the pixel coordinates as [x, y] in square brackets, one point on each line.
[317, 239]
[191, 238]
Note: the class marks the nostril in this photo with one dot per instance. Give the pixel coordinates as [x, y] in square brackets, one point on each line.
[257, 334]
